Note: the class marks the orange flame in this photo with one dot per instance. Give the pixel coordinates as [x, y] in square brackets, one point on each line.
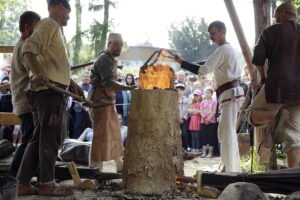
[158, 76]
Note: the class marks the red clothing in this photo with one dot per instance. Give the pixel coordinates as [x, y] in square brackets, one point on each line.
[195, 119]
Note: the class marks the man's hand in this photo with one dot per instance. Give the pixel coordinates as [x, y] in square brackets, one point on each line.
[39, 80]
[254, 82]
[78, 91]
[262, 81]
[178, 59]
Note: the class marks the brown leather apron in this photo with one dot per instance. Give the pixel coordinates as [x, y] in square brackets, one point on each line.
[107, 141]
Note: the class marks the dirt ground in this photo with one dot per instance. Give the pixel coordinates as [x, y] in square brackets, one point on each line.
[113, 190]
[190, 168]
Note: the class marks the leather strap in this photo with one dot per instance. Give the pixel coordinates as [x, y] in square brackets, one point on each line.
[227, 86]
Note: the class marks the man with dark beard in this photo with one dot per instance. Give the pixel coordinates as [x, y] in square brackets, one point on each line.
[107, 141]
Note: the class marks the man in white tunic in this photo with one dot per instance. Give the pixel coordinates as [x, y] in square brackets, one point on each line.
[223, 63]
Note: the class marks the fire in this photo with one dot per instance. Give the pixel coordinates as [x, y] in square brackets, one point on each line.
[157, 76]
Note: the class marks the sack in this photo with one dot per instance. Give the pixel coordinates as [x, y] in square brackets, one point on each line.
[76, 151]
[6, 148]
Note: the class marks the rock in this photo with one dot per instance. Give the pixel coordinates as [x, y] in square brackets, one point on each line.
[242, 191]
[294, 196]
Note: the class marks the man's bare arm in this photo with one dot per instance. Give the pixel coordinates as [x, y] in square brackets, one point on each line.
[261, 72]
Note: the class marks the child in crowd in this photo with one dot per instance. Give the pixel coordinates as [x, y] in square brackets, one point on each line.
[194, 125]
[208, 134]
[183, 105]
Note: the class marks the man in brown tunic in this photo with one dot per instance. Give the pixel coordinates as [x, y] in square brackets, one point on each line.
[107, 141]
[279, 44]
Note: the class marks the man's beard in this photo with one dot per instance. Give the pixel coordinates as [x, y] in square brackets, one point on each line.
[116, 54]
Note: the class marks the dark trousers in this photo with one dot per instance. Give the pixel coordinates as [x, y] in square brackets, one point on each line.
[82, 121]
[195, 139]
[208, 135]
[27, 132]
[41, 152]
[184, 135]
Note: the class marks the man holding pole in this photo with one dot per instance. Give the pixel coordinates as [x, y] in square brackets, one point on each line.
[279, 97]
[223, 62]
[45, 54]
[107, 142]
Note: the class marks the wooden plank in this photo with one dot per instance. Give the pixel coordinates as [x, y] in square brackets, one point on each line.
[81, 66]
[9, 119]
[6, 49]
[3, 87]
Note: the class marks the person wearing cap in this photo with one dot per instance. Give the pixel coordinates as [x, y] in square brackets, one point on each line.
[45, 54]
[183, 105]
[107, 141]
[279, 97]
[223, 63]
[194, 124]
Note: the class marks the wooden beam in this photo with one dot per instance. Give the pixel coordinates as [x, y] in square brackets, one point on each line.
[9, 119]
[81, 66]
[245, 49]
[6, 49]
[6, 86]
[241, 36]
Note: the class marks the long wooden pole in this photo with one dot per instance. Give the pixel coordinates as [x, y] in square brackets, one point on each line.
[245, 49]
[241, 36]
[6, 49]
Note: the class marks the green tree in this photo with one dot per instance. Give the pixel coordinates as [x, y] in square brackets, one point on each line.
[10, 11]
[77, 39]
[192, 39]
[98, 31]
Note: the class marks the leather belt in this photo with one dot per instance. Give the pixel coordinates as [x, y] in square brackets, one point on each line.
[59, 85]
[227, 86]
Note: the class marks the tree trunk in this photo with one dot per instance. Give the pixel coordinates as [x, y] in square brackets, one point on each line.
[153, 153]
[105, 26]
[263, 140]
[78, 40]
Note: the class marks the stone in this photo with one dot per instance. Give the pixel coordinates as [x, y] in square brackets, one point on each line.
[294, 196]
[242, 191]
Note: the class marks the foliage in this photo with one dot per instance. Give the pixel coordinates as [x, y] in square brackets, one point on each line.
[279, 152]
[95, 32]
[10, 10]
[192, 39]
[246, 163]
[98, 31]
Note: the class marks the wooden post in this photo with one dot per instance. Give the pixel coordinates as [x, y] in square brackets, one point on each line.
[241, 36]
[6, 49]
[153, 152]
[245, 49]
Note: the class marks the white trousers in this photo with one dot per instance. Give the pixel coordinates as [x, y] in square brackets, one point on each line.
[230, 155]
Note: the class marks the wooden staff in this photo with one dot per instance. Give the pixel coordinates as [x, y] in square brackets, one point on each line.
[245, 49]
[7, 86]
[6, 49]
[81, 66]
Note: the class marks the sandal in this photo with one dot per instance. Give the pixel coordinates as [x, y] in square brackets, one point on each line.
[54, 190]
[27, 189]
